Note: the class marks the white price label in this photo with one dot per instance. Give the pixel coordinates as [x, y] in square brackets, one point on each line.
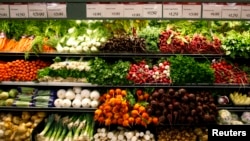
[152, 10]
[94, 10]
[245, 12]
[4, 11]
[113, 10]
[231, 12]
[19, 11]
[133, 10]
[37, 10]
[191, 11]
[211, 11]
[172, 11]
[57, 10]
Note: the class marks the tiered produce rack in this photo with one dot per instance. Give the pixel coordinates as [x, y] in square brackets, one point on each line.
[77, 10]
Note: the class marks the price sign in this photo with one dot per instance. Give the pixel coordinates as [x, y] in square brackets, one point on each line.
[172, 11]
[57, 10]
[19, 11]
[231, 12]
[152, 10]
[4, 11]
[211, 11]
[94, 10]
[113, 10]
[245, 12]
[37, 10]
[191, 11]
[133, 10]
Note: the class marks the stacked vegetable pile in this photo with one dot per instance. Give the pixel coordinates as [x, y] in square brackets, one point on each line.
[7, 97]
[226, 117]
[83, 37]
[142, 73]
[75, 127]
[32, 97]
[19, 126]
[124, 44]
[237, 43]
[173, 42]
[21, 70]
[225, 72]
[183, 134]
[77, 97]
[182, 107]
[25, 44]
[122, 134]
[119, 107]
[65, 71]
[240, 98]
[151, 36]
[108, 73]
[187, 70]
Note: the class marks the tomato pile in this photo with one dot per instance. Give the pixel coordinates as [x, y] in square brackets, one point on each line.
[21, 70]
[119, 107]
[173, 42]
[227, 73]
[142, 73]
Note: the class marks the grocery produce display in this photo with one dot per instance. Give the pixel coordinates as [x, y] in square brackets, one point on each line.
[19, 126]
[79, 51]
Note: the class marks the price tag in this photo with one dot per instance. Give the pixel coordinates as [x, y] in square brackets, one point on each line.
[37, 10]
[57, 10]
[172, 11]
[132, 10]
[4, 11]
[19, 11]
[113, 10]
[211, 11]
[152, 10]
[191, 11]
[94, 10]
[245, 12]
[231, 12]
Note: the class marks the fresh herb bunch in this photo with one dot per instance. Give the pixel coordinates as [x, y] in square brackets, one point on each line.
[104, 73]
[186, 70]
[237, 43]
[151, 36]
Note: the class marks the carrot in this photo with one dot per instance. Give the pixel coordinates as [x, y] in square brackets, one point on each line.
[142, 109]
[146, 96]
[117, 116]
[138, 120]
[140, 98]
[111, 92]
[107, 122]
[108, 115]
[145, 115]
[131, 120]
[155, 120]
[136, 106]
[118, 101]
[134, 113]
[120, 121]
[125, 123]
[114, 121]
[118, 91]
[123, 92]
[125, 116]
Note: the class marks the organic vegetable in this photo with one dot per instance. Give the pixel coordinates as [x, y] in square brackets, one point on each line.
[19, 126]
[181, 106]
[183, 134]
[223, 100]
[239, 98]
[123, 134]
[225, 72]
[21, 70]
[67, 127]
